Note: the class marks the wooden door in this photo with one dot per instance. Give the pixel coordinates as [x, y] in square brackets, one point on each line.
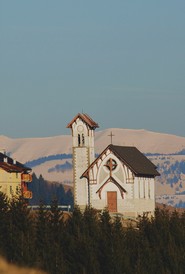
[112, 201]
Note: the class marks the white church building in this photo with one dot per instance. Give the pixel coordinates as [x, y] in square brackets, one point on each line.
[120, 179]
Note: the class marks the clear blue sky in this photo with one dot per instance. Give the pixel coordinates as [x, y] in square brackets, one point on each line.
[122, 62]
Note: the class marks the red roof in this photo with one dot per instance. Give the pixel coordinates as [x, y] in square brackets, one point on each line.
[85, 118]
[9, 165]
[10, 168]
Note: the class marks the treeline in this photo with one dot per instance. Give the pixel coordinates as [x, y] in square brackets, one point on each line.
[44, 159]
[61, 168]
[47, 192]
[90, 242]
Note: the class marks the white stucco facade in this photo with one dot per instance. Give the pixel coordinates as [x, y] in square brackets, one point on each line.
[83, 156]
[135, 195]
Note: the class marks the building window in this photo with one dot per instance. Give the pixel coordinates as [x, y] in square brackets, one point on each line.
[11, 190]
[111, 164]
[17, 190]
[83, 139]
[79, 141]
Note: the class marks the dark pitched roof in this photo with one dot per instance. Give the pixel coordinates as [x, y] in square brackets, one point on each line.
[136, 160]
[10, 165]
[11, 168]
[86, 118]
[133, 158]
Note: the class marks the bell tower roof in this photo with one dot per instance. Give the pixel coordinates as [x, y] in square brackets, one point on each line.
[86, 119]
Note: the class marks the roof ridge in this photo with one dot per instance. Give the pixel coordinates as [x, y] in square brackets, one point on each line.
[86, 118]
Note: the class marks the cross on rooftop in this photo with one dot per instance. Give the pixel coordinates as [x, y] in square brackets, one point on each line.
[111, 135]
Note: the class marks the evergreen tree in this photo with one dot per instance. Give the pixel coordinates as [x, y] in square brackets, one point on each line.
[21, 234]
[120, 262]
[131, 242]
[55, 260]
[41, 240]
[4, 224]
[73, 242]
[106, 244]
[47, 192]
[69, 199]
[89, 241]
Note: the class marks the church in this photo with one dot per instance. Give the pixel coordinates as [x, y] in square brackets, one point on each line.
[120, 179]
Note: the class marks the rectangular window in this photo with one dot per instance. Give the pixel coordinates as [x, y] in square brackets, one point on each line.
[149, 189]
[17, 189]
[11, 190]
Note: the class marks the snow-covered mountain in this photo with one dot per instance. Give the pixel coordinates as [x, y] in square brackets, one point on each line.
[27, 149]
[52, 156]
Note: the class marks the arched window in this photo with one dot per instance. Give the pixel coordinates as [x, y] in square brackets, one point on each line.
[83, 139]
[79, 141]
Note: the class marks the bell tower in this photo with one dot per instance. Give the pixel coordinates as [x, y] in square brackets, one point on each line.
[82, 127]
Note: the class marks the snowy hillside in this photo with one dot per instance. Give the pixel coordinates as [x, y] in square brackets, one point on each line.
[145, 141]
[27, 149]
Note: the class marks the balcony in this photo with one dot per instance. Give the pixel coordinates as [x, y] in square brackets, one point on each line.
[26, 178]
[27, 194]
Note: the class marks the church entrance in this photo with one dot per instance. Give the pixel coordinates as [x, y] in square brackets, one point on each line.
[112, 201]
